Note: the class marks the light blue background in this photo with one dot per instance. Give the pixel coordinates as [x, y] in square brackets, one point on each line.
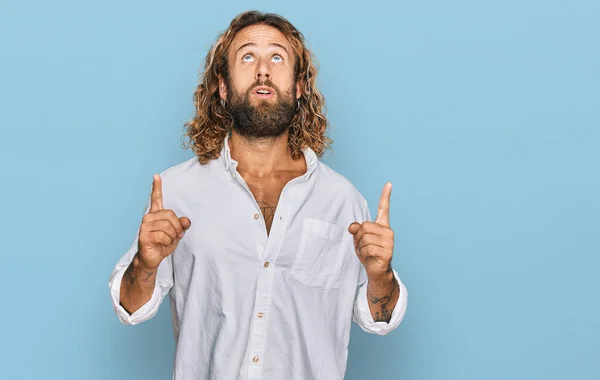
[484, 115]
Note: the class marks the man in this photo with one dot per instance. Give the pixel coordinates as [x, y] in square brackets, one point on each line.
[268, 254]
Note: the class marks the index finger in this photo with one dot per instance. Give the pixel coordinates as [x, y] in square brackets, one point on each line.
[156, 197]
[383, 210]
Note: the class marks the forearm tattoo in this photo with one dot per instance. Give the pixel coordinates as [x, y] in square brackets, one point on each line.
[383, 314]
[132, 274]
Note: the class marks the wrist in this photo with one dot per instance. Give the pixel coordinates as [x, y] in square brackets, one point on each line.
[382, 278]
[139, 264]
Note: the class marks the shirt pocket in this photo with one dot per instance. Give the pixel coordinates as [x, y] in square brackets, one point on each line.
[321, 254]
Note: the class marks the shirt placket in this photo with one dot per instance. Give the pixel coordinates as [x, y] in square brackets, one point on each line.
[264, 289]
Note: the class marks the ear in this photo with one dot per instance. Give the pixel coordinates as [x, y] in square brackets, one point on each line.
[222, 88]
[299, 85]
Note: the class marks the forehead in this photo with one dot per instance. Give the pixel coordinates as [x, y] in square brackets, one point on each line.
[261, 35]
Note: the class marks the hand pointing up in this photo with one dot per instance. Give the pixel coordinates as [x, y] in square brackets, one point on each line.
[374, 241]
[160, 231]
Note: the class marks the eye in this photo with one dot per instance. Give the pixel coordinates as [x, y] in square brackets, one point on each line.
[248, 58]
[277, 58]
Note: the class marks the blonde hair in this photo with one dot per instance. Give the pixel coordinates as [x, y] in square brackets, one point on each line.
[206, 131]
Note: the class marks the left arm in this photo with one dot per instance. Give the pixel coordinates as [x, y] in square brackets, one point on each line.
[367, 319]
[383, 292]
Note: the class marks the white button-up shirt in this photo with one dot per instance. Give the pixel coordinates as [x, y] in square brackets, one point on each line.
[250, 305]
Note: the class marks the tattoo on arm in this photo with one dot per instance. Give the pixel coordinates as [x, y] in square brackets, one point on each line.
[148, 274]
[131, 275]
[383, 314]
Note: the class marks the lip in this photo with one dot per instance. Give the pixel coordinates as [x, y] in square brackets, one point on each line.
[270, 94]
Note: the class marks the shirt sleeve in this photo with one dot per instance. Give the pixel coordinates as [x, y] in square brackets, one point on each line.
[164, 282]
[362, 314]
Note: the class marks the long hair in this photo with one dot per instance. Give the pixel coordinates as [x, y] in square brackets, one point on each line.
[206, 131]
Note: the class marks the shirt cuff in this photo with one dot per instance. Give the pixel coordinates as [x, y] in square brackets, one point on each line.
[147, 311]
[363, 313]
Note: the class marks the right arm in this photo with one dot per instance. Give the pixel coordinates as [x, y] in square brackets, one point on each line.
[136, 286]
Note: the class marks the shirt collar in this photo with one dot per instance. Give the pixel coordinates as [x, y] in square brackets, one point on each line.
[230, 164]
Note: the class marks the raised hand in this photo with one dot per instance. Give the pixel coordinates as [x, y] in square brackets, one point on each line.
[160, 231]
[374, 241]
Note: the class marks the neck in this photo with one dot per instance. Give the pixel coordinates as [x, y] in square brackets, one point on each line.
[260, 157]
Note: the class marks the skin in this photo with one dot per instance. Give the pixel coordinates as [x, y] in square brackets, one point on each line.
[261, 53]
[160, 233]
[374, 246]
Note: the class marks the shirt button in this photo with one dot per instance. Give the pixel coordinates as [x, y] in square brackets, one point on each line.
[255, 359]
[260, 315]
[266, 264]
[256, 216]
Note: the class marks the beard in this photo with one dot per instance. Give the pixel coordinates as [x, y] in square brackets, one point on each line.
[265, 119]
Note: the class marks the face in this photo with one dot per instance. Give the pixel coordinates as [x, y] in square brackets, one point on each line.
[261, 90]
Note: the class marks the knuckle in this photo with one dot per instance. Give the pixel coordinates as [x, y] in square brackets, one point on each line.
[165, 238]
[167, 225]
[146, 238]
[168, 229]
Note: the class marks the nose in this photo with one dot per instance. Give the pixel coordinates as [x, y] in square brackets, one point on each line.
[262, 72]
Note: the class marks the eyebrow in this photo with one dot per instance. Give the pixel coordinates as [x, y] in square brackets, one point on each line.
[271, 44]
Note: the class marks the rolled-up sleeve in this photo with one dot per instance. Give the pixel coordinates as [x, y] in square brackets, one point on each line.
[362, 314]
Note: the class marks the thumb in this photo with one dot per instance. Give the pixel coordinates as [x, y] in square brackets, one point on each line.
[353, 228]
[185, 222]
